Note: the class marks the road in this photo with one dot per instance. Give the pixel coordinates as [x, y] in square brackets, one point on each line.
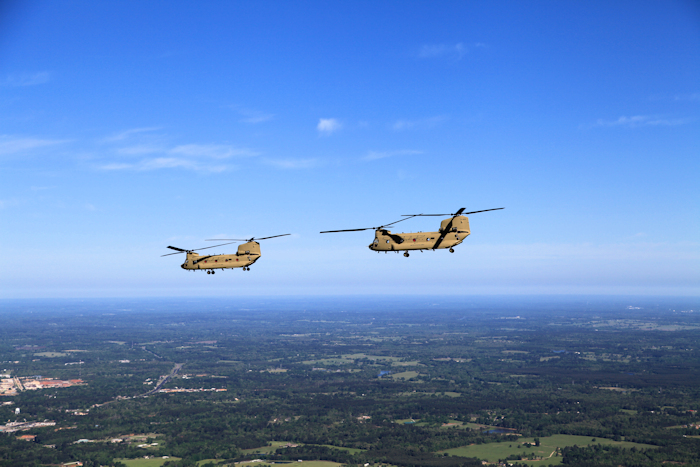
[164, 379]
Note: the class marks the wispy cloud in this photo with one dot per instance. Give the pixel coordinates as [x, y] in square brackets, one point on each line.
[448, 51]
[431, 122]
[254, 116]
[642, 120]
[693, 96]
[375, 155]
[156, 154]
[7, 203]
[26, 79]
[292, 163]
[326, 126]
[166, 163]
[10, 145]
[214, 151]
[140, 149]
[128, 133]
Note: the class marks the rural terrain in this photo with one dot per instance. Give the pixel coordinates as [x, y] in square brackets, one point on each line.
[369, 381]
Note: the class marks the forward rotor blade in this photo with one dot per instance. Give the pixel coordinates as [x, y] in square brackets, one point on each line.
[396, 222]
[197, 249]
[474, 212]
[348, 230]
[368, 228]
[274, 236]
[169, 254]
[242, 239]
[177, 249]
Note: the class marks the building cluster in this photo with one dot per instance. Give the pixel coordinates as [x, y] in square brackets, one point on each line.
[11, 427]
[10, 386]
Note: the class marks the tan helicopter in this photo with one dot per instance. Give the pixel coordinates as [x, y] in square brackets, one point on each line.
[452, 232]
[247, 254]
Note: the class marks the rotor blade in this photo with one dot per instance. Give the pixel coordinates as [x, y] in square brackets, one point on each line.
[474, 212]
[177, 249]
[173, 253]
[396, 222]
[274, 236]
[196, 249]
[348, 230]
[225, 240]
[460, 212]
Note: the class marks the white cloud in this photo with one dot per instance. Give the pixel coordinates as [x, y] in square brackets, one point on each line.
[642, 120]
[292, 163]
[19, 145]
[328, 125]
[401, 125]
[26, 79]
[375, 155]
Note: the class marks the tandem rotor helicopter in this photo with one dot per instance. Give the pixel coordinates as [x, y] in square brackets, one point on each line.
[452, 232]
[247, 254]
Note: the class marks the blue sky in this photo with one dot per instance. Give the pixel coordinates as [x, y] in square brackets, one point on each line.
[129, 126]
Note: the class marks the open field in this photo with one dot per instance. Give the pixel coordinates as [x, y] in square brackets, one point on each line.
[405, 375]
[266, 449]
[492, 452]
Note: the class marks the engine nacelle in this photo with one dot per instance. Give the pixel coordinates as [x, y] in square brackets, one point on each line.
[249, 248]
[459, 224]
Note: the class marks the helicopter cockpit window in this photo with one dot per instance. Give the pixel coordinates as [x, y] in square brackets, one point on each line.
[387, 241]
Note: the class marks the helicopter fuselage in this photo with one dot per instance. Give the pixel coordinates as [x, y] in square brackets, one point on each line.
[452, 232]
[247, 254]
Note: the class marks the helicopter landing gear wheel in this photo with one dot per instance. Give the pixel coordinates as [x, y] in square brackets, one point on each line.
[208, 272]
[406, 254]
[213, 272]
[452, 250]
